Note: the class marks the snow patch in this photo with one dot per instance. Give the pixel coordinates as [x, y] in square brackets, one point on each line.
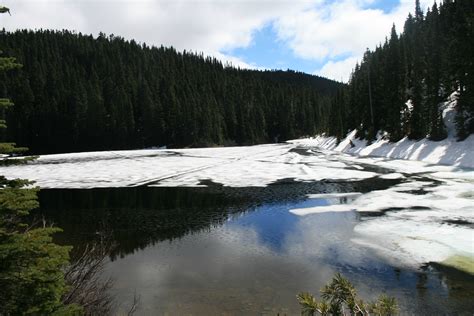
[321, 209]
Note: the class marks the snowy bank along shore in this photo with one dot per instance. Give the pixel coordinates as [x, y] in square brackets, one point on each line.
[446, 152]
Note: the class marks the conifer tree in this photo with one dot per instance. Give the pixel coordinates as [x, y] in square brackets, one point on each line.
[433, 76]
[394, 87]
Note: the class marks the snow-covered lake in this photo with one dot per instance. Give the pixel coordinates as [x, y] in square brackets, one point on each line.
[305, 208]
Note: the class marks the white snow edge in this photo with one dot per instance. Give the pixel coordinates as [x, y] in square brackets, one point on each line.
[445, 152]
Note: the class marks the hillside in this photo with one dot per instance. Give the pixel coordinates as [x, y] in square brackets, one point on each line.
[79, 93]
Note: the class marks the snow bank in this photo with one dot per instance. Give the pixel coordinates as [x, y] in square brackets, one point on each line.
[447, 152]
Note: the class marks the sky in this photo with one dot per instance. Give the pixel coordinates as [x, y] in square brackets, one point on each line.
[320, 37]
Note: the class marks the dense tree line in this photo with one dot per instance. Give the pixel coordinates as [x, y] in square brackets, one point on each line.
[430, 59]
[78, 93]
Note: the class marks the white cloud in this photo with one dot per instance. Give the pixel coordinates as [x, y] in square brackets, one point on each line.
[338, 70]
[342, 27]
[235, 61]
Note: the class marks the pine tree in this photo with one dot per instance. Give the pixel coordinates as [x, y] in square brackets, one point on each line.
[417, 123]
[418, 11]
[394, 87]
[437, 129]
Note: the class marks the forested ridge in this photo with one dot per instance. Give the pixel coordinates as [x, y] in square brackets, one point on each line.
[77, 93]
[398, 87]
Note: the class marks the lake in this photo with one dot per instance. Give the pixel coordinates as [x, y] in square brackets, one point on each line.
[242, 231]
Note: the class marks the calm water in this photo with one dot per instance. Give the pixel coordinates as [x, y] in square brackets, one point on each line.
[239, 251]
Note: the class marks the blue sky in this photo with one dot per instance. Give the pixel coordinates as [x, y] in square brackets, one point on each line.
[385, 5]
[314, 36]
[267, 51]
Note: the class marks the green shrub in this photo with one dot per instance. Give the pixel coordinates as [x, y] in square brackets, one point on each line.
[340, 298]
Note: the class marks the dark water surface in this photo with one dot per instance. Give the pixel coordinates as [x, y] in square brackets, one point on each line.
[239, 251]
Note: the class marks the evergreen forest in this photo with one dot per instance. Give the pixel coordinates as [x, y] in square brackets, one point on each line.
[80, 93]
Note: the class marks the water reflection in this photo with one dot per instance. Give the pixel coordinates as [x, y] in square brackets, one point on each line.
[208, 251]
[135, 217]
[139, 216]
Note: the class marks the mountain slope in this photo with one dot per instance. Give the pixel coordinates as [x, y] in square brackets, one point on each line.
[80, 93]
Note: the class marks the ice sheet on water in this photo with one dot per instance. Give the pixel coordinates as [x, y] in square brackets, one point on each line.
[329, 202]
[351, 195]
[425, 219]
[232, 166]
[394, 175]
[415, 241]
[322, 209]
